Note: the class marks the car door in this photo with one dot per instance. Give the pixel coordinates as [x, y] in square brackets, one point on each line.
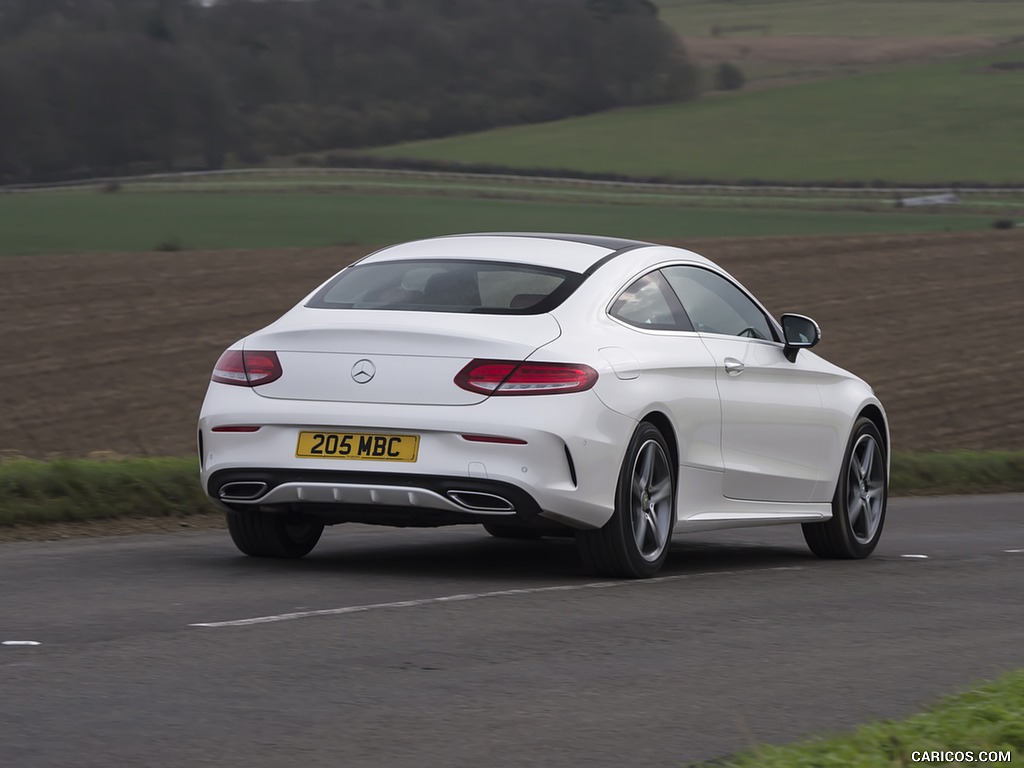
[773, 424]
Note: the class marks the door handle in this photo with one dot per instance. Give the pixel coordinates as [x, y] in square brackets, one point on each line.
[733, 366]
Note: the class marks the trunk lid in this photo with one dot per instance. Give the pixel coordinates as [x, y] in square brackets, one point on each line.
[366, 356]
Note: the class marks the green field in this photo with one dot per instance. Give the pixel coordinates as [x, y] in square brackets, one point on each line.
[527, 188]
[63, 222]
[875, 18]
[956, 121]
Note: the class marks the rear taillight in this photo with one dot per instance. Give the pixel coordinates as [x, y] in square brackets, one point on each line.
[511, 377]
[247, 368]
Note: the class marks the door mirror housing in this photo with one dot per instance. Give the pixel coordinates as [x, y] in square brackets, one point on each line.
[799, 332]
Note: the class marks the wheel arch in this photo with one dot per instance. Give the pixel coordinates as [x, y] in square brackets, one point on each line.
[865, 406]
[620, 548]
[874, 413]
[664, 425]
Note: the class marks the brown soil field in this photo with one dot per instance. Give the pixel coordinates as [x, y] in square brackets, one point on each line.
[112, 352]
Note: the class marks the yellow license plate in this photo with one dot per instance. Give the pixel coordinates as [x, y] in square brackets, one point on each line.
[357, 445]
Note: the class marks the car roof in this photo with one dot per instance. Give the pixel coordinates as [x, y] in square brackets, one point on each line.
[576, 253]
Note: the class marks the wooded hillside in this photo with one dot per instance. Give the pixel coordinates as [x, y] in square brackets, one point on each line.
[94, 86]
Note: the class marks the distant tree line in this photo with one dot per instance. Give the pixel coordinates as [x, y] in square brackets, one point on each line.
[101, 86]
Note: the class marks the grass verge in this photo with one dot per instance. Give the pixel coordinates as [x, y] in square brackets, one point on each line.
[918, 474]
[62, 490]
[988, 718]
[69, 222]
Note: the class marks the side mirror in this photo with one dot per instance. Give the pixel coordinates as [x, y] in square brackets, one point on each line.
[799, 332]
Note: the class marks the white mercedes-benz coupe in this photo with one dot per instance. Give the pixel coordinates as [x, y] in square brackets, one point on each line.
[541, 384]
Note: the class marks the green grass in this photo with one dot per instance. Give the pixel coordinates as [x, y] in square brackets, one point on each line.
[959, 472]
[65, 222]
[955, 121]
[62, 490]
[35, 491]
[989, 717]
[526, 188]
[869, 18]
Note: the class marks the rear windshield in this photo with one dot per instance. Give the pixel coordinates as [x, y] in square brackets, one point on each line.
[448, 286]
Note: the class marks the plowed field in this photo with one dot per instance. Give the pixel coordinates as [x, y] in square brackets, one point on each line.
[112, 352]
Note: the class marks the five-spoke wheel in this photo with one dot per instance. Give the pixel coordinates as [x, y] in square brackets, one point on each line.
[651, 500]
[865, 497]
[635, 542]
[858, 506]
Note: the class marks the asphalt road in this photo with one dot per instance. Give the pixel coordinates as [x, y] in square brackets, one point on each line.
[362, 660]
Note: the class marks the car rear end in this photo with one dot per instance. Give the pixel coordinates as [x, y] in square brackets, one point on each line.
[414, 393]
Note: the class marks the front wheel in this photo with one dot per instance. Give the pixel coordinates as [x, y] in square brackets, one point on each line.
[858, 507]
[635, 542]
[265, 534]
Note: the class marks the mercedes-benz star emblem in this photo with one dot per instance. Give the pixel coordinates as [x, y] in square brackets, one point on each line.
[363, 371]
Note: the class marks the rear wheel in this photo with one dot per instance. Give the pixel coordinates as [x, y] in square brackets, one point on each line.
[258, 533]
[635, 542]
[858, 507]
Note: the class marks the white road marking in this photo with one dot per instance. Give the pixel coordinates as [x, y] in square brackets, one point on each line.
[1013, 551]
[19, 642]
[479, 596]
[915, 557]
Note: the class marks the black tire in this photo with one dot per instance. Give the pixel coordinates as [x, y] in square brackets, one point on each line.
[634, 543]
[265, 534]
[860, 500]
[499, 531]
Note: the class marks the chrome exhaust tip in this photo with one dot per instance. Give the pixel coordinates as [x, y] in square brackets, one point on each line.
[478, 501]
[242, 491]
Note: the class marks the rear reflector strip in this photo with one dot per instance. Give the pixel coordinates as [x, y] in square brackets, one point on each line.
[237, 428]
[572, 466]
[494, 439]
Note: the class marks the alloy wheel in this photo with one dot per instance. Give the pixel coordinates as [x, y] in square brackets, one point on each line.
[651, 500]
[865, 489]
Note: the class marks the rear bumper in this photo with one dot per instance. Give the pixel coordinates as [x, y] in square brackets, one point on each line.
[565, 472]
[374, 497]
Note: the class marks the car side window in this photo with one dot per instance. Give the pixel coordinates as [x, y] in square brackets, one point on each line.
[650, 303]
[716, 305]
